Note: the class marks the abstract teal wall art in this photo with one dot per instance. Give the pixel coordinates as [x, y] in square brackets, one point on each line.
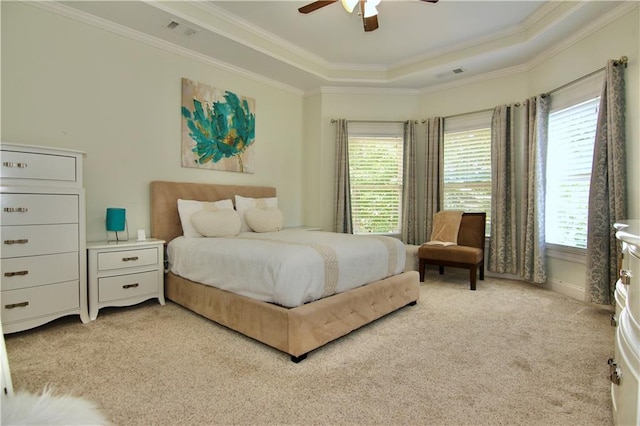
[218, 128]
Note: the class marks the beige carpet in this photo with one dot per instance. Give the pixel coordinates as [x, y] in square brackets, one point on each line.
[508, 353]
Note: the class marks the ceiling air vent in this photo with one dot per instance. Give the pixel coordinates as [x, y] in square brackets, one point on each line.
[171, 25]
[458, 70]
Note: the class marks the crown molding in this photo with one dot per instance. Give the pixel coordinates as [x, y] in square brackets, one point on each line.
[325, 90]
[604, 20]
[531, 28]
[86, 18]
[593, 27]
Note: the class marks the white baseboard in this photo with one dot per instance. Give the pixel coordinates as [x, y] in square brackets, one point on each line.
[568, 289]
[571, 290]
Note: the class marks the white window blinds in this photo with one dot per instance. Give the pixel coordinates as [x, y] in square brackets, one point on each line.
[572, 129]
[569, 157]
[467, 163]
[375, 171]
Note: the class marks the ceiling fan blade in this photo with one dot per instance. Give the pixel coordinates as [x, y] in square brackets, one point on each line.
[430, 1]
[370, 23]
[315, 6]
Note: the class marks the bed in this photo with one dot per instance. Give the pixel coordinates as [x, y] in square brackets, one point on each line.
[293, 330]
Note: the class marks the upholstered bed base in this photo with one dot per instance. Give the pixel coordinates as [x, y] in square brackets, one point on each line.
[295, 331]
[300, 330]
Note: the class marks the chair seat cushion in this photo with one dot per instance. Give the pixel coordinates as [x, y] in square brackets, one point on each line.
[461, 254]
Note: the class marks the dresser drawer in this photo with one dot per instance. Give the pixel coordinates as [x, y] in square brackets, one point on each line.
[32, 302]
[127, 258]
[126, 286]
[23, 272]
[28, 165]
[33, 240]
[30, 209]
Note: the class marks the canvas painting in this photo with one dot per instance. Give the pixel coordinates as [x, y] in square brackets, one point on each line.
[218, 128]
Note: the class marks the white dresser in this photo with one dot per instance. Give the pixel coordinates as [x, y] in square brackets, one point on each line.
[42, 236]
[625, 365]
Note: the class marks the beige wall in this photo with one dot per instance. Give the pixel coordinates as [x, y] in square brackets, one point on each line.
[67, 84]
[620, 37]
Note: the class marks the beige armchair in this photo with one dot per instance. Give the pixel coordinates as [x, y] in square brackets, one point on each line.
[468, 253]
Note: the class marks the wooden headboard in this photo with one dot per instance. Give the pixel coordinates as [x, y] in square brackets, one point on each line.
[165, 221]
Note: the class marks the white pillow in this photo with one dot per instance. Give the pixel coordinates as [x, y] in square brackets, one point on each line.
[186, 208]
[219, 223]
[264, 220]
[243, 204]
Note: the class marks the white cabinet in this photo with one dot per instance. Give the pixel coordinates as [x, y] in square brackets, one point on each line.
[625, 365]
[42, 236]
[123, 273]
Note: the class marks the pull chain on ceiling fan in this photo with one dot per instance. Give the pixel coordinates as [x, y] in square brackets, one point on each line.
[368, 10]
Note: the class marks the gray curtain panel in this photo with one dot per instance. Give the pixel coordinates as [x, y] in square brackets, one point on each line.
[607, 193]
[409, 185]
[434, 173]
[503, 257]
[533, 266]
[343, 221]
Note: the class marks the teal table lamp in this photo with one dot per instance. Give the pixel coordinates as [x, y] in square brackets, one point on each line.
[116, 222]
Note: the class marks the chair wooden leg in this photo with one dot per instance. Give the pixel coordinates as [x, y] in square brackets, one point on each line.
[421, 263]
[472, 276]
[482, 270]
[441, 269]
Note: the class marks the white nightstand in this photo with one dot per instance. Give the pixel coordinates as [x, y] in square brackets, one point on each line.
[124, 273]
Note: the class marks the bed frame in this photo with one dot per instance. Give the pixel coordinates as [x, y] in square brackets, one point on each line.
[296, 331]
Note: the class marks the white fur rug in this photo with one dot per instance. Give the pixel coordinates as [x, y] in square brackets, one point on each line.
[23, 408]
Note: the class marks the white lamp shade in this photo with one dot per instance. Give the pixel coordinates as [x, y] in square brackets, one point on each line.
[349, 5]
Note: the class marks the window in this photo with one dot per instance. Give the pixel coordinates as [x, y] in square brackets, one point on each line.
[467, 164]
[375, 170]
[572, 128]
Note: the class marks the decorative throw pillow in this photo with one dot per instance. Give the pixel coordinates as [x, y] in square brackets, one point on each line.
[216, 223]
[243, 204]
[186, 208]
[268, 219]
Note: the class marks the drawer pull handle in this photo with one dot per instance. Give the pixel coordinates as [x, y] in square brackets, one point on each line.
[614, 372]
[127, 259]
[18, 165]
[625, 276]
[23, 241]
[17, 305]
[16, 209]
[13, 274]
[130, 285]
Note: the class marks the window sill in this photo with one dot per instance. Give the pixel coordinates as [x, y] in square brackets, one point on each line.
[571, 254]
[379, 234]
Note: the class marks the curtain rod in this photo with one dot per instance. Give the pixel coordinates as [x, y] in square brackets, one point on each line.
[463, 113]
[622, 61]
[333, 120]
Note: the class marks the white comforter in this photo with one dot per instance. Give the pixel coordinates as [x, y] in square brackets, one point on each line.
[289, 267]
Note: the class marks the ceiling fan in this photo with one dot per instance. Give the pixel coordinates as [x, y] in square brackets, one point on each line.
[367, 9]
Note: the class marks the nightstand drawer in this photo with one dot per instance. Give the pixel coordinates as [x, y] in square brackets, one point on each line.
[23, 272]
[35, 240]
[30, 209]
[27, 165]
[126, 286]
[127, 258]
[32, 302]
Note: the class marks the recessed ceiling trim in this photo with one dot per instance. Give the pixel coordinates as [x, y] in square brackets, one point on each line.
[86, 18]
[584, 32]
[259, 41]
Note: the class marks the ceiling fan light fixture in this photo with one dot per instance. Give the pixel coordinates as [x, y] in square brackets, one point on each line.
[370, 10]
[349, 5]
